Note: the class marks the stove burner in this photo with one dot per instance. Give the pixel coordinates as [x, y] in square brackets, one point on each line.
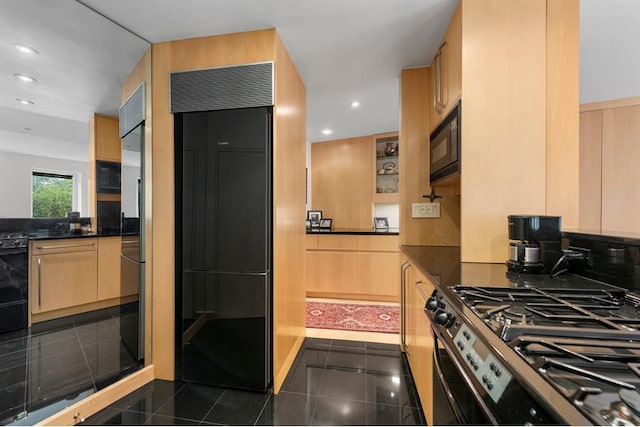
[619, 414]
[631, 399]
[516, 312]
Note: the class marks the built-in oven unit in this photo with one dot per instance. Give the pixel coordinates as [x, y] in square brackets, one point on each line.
[14, 281]
[444, 152]
[532, 354]
[472, 384]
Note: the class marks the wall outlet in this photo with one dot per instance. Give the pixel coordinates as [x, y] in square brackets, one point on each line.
[425, 210]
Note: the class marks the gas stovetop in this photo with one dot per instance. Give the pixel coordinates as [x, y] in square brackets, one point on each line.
[13, 240]
[584, 342]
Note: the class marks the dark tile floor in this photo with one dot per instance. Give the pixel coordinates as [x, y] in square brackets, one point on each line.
[54, 364]
[332, 382]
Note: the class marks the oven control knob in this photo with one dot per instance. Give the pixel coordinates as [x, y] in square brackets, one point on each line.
[432, 304]
[442, 318]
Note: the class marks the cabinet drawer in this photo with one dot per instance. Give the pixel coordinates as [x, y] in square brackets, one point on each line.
[43, 247]
[345, 242]
[312, 241]
[378, 243]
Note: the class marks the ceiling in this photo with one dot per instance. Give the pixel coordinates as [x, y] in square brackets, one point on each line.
[344, 50]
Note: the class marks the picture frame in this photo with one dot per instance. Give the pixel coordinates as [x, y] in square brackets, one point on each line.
[380, 222]
[325, 223]
[314, 217]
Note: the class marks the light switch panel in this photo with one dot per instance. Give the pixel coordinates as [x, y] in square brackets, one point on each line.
[425, 210]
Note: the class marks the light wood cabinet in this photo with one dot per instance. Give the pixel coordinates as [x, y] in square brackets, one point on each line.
[341, 173]
[353, 267]
[109, 268]
[106, 137]
[445, 86]
[609, 155]
[63, 274]
[311, 263]
[417, 336]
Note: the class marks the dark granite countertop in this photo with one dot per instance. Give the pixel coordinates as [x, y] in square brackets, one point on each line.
[357, 231]
[442, 264]
[58, 236]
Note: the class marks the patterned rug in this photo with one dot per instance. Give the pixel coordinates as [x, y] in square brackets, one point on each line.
[353, 317]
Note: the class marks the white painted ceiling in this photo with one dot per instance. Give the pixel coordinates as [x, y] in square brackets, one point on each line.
[344, 49]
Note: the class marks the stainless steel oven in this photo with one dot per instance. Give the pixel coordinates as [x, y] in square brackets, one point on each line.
[472, 382]
[455, 402]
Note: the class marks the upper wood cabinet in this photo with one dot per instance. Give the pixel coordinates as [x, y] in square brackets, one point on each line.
[445, 86]
[105, 135]
[386, 168]
[341, 174]
[609, 155]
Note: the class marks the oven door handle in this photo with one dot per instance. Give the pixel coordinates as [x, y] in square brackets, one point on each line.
[445, 384]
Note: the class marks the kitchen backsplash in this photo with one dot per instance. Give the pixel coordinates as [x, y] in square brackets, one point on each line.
[53, 226]
[612, 259]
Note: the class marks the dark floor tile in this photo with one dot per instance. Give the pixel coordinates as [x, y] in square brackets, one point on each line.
[379, 414]
[116, 416]
[391, 390]
[91, 317]
[161, 420]
[316, 342]
[383, 346]
[288, 409]
[347, 343]
[386, 362]
[191, 402]
[63, 323]
[150, 397]
[335, 412]
[343, 384]
[344, 357]
[237, 407]
[303, 379]
[306, 372]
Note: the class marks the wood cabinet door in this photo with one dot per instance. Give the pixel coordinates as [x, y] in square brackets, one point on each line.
[62, 280]
[378, 274]
[337, 271]
[620, 172]
[107, 138]
[311, 270]
[341, 173]
[109, 268]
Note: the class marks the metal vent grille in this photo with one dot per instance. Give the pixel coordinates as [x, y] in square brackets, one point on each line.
[132, 111]
[222, 88]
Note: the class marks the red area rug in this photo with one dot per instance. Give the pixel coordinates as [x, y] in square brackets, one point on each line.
[353, 317]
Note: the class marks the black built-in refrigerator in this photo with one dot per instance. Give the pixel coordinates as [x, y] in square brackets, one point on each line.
[223, 247]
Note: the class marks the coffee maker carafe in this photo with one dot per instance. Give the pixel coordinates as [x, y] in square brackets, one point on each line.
[535, 244]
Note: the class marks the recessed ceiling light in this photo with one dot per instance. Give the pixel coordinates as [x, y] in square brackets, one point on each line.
[26, 49]
[355, 104]
[327, 131]
[25, 101]
[25, 78]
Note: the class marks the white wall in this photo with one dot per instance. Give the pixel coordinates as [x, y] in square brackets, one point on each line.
[609, 60]
[15, 181]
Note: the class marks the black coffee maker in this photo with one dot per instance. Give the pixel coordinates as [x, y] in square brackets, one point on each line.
[535, 245]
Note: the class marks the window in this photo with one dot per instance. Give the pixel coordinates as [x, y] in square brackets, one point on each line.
[51, 194]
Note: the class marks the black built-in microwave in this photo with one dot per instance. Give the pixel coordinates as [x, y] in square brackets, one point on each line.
[444, 152]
